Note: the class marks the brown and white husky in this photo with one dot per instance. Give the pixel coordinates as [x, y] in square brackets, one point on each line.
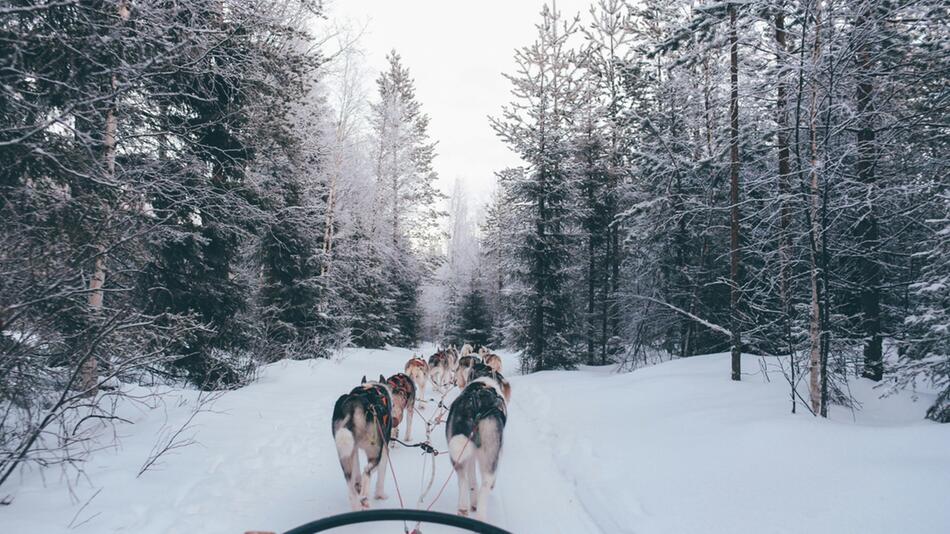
[418, 370]
[404, 400]
[440, 369]
[453, 354]
[493, 360]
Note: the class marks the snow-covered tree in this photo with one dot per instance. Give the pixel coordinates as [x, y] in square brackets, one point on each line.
[406, 199]
[535, 125]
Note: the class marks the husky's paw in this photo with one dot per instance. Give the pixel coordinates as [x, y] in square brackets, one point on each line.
[364, 503]
[463, 513]
[380, 496]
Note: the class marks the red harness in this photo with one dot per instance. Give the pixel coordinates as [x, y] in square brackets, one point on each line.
[401, 384]
[378, 399]
[417, 362]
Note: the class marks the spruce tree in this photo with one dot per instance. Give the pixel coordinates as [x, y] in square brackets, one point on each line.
[474, 318]
[407, 219]
[535, 127]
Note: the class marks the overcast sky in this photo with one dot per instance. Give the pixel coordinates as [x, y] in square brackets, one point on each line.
[456, 52]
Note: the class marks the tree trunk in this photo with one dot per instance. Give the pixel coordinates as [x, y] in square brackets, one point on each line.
[815, 238]
[591, 303]
[606, 301]
[89, 375]
[395, 198]
[785, 193]
[867, 231]
[328, 220]
[734, 194]
[540, 287]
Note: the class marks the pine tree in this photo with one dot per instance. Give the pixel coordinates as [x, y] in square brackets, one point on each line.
[218, 117]
[405, 193]
[132, 135]
[474, 318]
[366, 289]
[291, 289]
[535, 127]
[927, 355]
[607, 52]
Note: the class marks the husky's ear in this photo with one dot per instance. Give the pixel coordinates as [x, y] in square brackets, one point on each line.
[506, 391]
[382, 379]
[364, 380]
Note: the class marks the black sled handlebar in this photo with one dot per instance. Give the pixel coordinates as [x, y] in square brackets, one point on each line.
[395, 514]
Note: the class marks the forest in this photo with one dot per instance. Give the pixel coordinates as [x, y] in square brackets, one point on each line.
[192, 191]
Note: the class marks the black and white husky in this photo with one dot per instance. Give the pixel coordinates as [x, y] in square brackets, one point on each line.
[362, 420]
[474, 432]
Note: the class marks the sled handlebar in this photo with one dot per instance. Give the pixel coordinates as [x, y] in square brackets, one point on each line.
[395, 514]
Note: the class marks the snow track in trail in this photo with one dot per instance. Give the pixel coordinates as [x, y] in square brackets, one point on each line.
[531, 493]
[673, 448]
[565, 447]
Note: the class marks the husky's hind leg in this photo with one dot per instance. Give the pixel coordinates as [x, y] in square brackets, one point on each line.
[461, 472]
[381, 474]
[488, 455]
[351, 470]
[461, 456]
[411, 408]
[488, 483]
[472, 485]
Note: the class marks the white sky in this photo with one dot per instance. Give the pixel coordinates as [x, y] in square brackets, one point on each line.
[456, 52]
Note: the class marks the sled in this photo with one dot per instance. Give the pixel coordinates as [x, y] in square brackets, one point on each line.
[395, 514]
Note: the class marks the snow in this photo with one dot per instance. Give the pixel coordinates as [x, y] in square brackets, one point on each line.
[673, 448]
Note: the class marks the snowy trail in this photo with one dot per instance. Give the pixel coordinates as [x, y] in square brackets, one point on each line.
[530, 496]
[265, 460]
[673, 448]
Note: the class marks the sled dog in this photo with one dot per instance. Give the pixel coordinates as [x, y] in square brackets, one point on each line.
[453, 355]
[493, 361]
[466, 350]
[403, 391]
[480, 370]
[463, 372]
[439, 369]
[474, 432]
[418, 370]
[362, 420]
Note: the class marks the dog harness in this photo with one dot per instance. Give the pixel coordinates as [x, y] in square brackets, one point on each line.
[480, 370]
[486, 401]
[469, 361]
[437, 358]
[401, 383]
[376, 399]
[417, 362]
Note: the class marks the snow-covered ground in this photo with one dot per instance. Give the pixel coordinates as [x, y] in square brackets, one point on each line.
[674, 448]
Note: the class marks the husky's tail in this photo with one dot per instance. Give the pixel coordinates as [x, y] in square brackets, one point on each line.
[345, 441]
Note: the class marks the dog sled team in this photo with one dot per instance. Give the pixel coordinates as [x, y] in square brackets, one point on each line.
[368, 418]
